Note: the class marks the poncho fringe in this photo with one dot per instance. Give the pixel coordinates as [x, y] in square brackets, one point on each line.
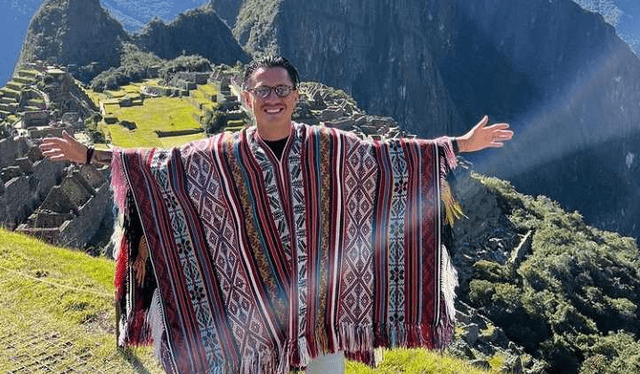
[232, 261]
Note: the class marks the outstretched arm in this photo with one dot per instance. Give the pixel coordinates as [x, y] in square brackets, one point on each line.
[482, 136]
[69, 149]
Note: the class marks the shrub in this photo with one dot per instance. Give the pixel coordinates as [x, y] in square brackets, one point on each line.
[577, 284]
[92, 130]
[215, 122]
[192, 63]
[135, 65]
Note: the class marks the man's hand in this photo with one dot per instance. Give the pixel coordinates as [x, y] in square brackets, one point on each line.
[482, 136]
[64, 149]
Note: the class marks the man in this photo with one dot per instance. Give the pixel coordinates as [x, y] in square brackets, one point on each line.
[260, 251]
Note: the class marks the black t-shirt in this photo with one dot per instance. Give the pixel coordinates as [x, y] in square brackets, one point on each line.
[277, 146]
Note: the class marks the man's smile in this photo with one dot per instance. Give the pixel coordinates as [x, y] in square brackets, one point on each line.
[274, 110]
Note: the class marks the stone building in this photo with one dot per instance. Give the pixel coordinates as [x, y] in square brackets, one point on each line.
[72, 212]
[35, 118]
[26, 179]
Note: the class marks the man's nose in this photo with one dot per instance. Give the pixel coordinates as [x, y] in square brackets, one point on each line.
[272, 96]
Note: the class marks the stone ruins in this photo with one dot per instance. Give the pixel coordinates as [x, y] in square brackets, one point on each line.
[72, 212]
[65, 204]
[26, 177]
[323, 105]
[58, 202]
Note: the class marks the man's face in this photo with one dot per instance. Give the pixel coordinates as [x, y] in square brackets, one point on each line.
[272, 113]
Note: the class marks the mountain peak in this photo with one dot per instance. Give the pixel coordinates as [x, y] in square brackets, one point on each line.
[184, 36]
[80, 33]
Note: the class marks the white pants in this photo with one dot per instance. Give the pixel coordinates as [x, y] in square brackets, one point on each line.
[332, 363]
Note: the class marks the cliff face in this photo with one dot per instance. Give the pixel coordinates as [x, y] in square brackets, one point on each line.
[577, 119]
[77, 32]
[199, 31]
[380, 52]
[559, 74]
[227, 10]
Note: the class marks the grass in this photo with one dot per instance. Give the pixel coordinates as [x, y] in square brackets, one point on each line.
[156, 114]
[56, 312]
[199, 97]
[12, 118]
[176, 141]
[131, 88]
[208, 89]
[28, 72]
[160, 113]
[416, 361]
[10, 92]
[496, 361]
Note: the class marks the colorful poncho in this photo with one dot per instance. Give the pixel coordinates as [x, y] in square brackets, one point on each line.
[233, 261]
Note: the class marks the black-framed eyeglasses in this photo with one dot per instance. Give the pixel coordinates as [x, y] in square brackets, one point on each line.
[264, 91]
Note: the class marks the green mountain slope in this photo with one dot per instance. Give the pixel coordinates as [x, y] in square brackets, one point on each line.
[57, 314]
[564, 291]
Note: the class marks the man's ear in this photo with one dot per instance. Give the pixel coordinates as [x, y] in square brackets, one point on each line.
[246, 101]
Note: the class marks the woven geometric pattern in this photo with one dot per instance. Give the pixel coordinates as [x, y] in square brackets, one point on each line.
[396, 256]
[221, 230]
[263, 264]
[357, 269]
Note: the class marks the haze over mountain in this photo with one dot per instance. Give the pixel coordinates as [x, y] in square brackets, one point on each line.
[197, 31]
[559, 74]
[134, 15]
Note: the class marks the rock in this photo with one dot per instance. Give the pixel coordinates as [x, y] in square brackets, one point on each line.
[130, 125]
[513, 366]
[514, 347]
[34, 154]
[498, 337]
[10, 172]
[472, 332]
[523, 250]
[483, 364]
[460, 349]
[25, 165]
[461, 317]
[110, 120]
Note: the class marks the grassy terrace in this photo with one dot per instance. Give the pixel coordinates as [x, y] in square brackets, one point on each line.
[56, 312]
[6, 91]
[29, 73]
[161, 113]
[201, 97]
[416, 361]
[167, 114]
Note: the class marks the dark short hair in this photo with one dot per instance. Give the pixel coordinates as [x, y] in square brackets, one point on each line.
[271, 62]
